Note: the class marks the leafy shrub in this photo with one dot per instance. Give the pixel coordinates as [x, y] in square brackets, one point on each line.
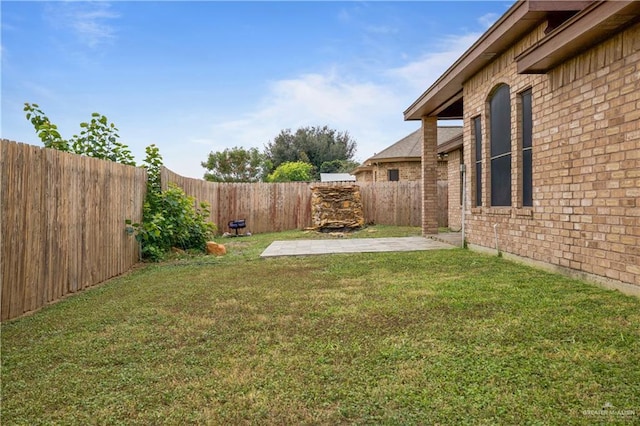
[172, 221]
[169, 219]
[292, 171]
[98, 138]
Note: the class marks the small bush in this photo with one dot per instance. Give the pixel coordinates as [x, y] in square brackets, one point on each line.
[169, 219]
[172, 220]
[292, 171]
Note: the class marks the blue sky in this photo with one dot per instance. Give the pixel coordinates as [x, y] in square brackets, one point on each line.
[196, 77]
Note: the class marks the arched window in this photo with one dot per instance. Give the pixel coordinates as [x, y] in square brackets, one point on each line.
[500, 132]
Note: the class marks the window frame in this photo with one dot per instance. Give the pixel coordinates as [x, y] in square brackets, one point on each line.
[499, 144]
[526, 147]
[396, 172]
[476, 128]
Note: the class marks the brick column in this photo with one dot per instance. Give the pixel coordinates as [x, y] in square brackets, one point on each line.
[429, 175]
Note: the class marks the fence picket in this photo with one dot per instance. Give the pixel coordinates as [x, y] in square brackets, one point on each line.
[62, 224]
[62, 217]
[272, 207]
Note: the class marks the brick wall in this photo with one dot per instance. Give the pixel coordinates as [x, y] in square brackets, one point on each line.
[454, 159]
[586, 161]
[443, 171]
[364, 176]
[408, 170]
[430, 203]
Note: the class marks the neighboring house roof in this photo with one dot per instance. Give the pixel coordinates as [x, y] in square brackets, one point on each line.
[337, 177]
[572, 27]
[450, 145]
[362, 169]
[410, 147]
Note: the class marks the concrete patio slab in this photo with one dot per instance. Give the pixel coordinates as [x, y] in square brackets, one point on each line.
[454, 238]
[355, 245]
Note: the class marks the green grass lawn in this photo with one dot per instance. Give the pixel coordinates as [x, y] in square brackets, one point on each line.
[435, 337]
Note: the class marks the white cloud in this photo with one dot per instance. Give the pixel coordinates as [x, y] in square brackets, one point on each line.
[344, 16]
[39, 91]
[488, 19]
[326, 97]
[424, 71]
[88, 21]
[370, 111]
[382, 29]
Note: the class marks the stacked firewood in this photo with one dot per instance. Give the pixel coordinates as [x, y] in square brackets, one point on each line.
[336, 208]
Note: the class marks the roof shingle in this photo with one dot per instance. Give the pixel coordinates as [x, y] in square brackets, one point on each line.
[411, 145]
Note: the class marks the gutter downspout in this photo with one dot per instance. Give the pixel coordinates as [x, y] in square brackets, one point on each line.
[464, 201]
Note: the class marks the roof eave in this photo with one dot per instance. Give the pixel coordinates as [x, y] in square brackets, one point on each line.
[582, 31]
[361, 169]
[521, 18]
[451, 145]
[395, 159]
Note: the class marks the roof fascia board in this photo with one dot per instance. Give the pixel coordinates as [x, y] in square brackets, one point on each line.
[450, 145]
[454, 76]
[558, 5]
[395, 160]
[578, 33]
[518, 20]
[362, 169]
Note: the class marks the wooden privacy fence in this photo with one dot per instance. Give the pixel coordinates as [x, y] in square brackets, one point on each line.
[62, 224]
[272, 207]
[62, 217]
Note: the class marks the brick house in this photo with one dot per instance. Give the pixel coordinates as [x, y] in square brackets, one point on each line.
[403, 160]
[550, 102]
[451, 153]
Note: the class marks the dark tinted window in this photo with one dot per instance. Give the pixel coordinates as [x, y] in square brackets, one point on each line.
[478, 184]
[477, 129]
[500, 144]
[527, 154]
[394, 174]
[477, 126]
[500, 122]
[501, 181]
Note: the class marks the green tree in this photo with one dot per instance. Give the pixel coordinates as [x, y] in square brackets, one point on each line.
[291, 171]
[338, 166]
[98, 139]
[46, 131]
[172, 220]
[169, 218]
[314, 145]
[153, 164]
[235, 165]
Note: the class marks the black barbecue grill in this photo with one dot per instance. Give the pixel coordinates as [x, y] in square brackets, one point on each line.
[237, 224]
